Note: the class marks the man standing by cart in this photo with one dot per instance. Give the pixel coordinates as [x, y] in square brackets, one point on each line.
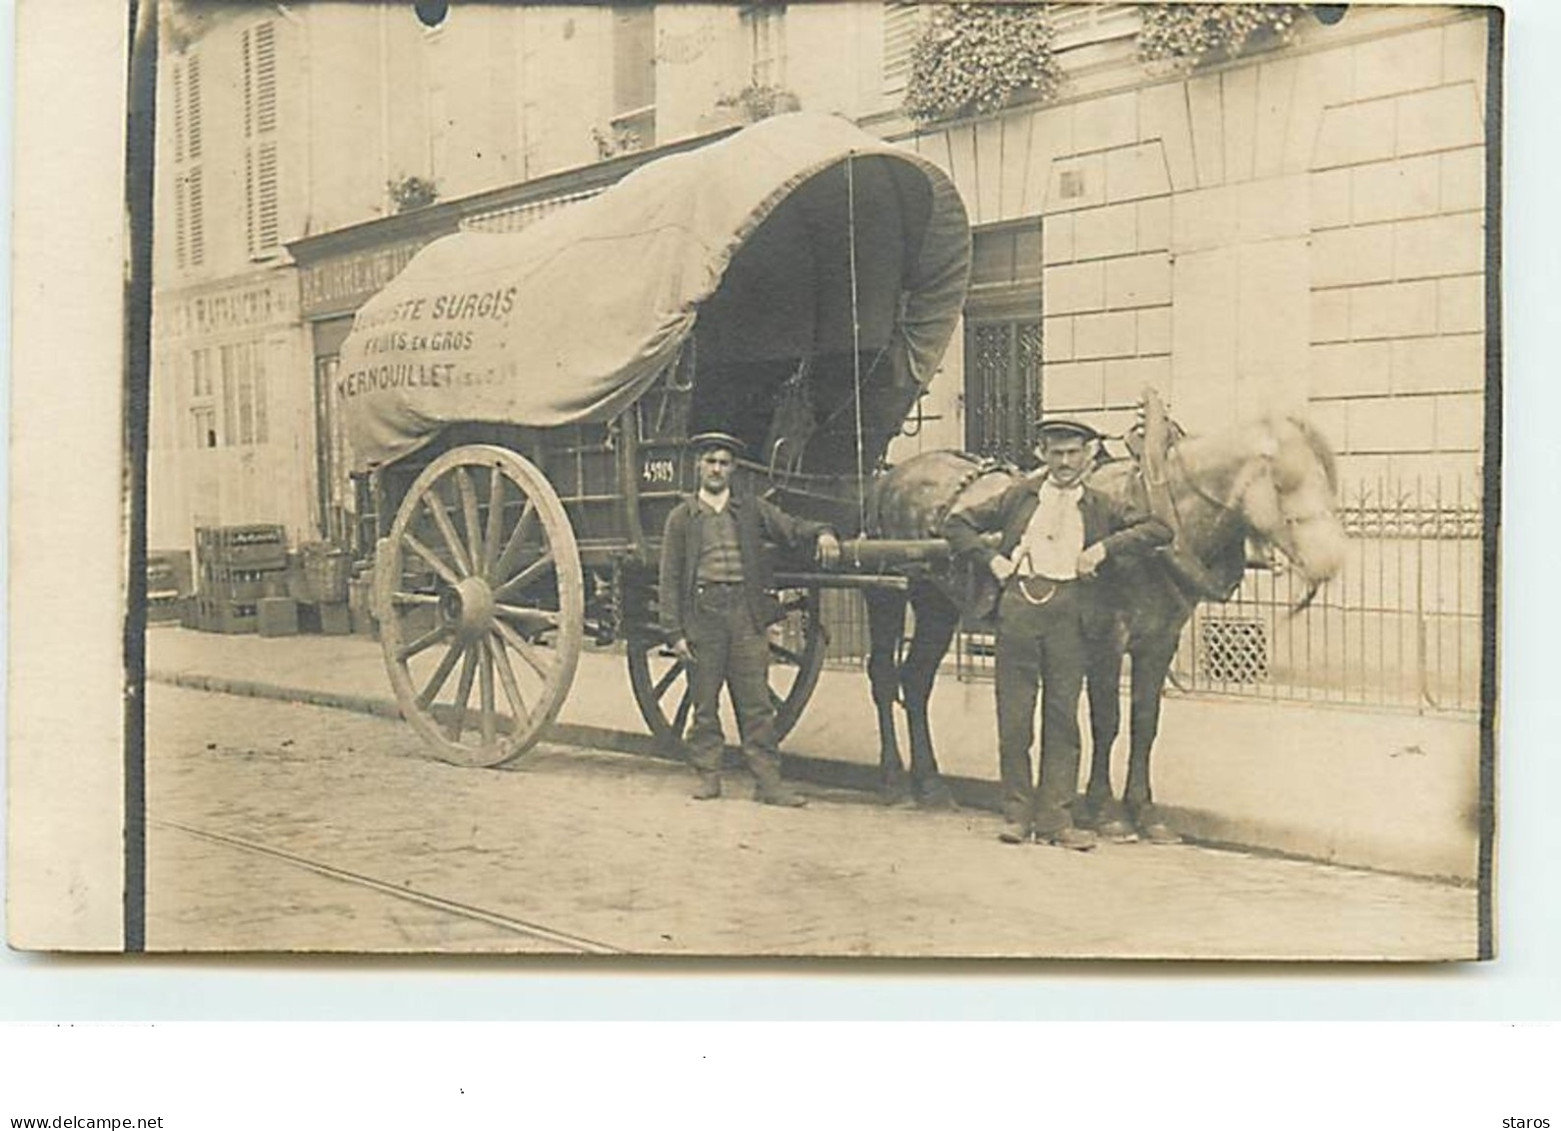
[716, 606]
[1057, 532]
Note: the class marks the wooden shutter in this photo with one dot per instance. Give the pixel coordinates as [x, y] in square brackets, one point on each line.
[195, 217]
[192, 108]
[902, 27]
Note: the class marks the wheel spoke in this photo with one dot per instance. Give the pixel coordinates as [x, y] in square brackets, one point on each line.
[680, 719]
[507, 678]
[490, 542]
[452, 540]
[529, 622]
[525, 651]
[786, 655]
[468, 493]
[403, 598]
[517, 539]
[434, 561]
[490, 732]
[525, 577]
[776, 701]
[441, 674]
[463, 694]
[423, 642]
[667, 680]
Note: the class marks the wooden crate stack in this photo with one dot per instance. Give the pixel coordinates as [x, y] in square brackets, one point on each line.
[237, 568]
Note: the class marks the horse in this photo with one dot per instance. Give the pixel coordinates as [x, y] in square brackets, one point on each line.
[1272, 482]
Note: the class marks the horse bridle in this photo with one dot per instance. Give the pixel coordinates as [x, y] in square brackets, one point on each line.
[1228, 507]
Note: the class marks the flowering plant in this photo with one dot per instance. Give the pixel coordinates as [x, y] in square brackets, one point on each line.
[1185, 35]
[975, 58]
[412, 192]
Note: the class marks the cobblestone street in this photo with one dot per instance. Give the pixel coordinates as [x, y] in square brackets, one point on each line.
[608, 849]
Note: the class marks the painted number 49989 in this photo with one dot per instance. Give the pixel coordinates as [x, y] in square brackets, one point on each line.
[659, 472]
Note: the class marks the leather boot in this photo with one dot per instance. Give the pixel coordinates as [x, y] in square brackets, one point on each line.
[709, 787]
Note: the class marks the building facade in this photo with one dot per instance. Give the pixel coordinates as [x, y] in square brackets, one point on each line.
[1302, 226]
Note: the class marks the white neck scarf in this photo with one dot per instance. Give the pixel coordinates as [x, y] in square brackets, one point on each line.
[716, 503]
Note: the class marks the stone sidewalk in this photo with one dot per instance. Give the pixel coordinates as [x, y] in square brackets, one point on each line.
[1391, 791]
[250, 801]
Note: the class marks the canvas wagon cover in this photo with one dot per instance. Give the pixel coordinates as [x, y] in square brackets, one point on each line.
[572, 318]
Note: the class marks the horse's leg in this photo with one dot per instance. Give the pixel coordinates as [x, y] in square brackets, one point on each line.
[1103, 674]
[1151, 662]
[936, 620]
[885, 629]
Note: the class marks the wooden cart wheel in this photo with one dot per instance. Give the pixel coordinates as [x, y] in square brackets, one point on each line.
[660, 679]
[478, 588]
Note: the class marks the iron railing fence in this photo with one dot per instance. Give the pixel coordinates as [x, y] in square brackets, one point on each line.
[1400, 627]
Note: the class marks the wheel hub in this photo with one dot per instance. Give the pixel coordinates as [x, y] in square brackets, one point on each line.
[469, 606]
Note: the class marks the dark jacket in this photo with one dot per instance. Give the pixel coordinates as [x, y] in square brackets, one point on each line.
[1122, 528]
[757, 521]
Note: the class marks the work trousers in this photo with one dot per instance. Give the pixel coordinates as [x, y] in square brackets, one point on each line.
[1039, 643]
[729, 651]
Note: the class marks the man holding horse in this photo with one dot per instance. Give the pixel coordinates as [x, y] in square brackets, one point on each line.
[1059, 537]
[716, 606]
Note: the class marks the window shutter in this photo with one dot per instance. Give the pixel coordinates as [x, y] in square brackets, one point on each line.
[266, 197]
[265, 77]
[196, 218]
[902, 25]
[192, 112]
[179, 125]
[181, 222]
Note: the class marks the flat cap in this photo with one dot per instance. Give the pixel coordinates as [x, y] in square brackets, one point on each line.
[704, 441]
[1057, 427]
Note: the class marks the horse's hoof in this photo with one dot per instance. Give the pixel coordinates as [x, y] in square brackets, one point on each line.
[1159, 833]
[1116, 832]
[896, 794]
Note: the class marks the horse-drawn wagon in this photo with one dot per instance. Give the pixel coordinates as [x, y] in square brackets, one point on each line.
[520, 405]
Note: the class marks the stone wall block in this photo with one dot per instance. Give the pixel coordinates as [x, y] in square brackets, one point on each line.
[1461, 304]
[1394, 310]
[1104, 123]
[1154, 330]
[1076, 182]
[1154, 224]
[1136, 172]
[1057, 339]
[1075, 288]
[1125, 378]
[1207, 218]
[1352, 255]
[1392, 424]
[1072, 386]
[1140, 280]
[1398, 63]
[1396, 190]
[1100, 232]
[1449, 363]
[1331, 198]
[1356, 133]
[1162, 116]
[1105, 335]
[1440, 245]
[1351, 369]
[1463, 179]
[1444, 118]
[1460, 422]
[1330, 316]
